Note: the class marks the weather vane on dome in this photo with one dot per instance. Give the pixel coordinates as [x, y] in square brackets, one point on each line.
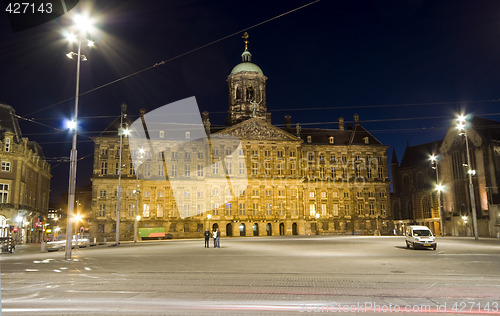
[245, 37]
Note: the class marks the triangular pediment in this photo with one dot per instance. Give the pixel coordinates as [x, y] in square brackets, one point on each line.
[258, 129]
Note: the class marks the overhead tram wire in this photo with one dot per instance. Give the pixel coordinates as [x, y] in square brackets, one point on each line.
[176, 57]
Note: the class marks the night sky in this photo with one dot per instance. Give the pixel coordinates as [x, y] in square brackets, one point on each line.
[405, 66]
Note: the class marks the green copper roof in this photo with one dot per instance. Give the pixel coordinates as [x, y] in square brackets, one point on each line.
[246, 66]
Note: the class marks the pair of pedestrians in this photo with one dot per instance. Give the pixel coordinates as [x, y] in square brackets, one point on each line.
[215, 236]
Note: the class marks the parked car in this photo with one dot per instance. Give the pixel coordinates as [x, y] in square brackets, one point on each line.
[420, 237]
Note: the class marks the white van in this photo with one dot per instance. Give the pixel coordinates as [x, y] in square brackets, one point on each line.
[420, 237]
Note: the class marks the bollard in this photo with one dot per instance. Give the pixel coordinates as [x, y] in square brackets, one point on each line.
[43, 246]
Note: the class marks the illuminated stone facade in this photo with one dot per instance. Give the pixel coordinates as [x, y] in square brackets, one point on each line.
[285, 180]
[24, 181]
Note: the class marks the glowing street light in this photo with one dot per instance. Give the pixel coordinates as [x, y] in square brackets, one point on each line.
[83, 25]
[439, 188]
[461, 126]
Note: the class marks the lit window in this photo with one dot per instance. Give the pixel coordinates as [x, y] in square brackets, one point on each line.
[331, 140]
[145, 210]
[188, 135]
[309, 139]
[162, 134]
[4, 193]
[7, 144]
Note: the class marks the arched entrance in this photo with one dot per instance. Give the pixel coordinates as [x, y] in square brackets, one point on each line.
[256, 229]
[282, 229]
[269, 229]
[242, 229]
[229, 230]
[294, 229]
[215, 226]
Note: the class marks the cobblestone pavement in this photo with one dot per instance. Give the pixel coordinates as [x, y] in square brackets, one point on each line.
[257, 276]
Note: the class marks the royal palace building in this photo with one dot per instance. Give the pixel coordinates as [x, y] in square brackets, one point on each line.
[247, 178]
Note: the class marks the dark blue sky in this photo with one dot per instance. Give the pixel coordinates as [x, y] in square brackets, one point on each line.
[405, 66]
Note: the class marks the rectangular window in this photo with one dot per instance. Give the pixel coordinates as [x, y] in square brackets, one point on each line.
[102, 193]
[7, 145]
[255, 153]
[312, 209]
[242, 168]
[147, 169]
[372, 209]
[347, 211]
[381, 173]
[358, 171]
[281, 192]
[360, 208]
[369, 172]
[282, 209]
[104, 151]
[200, 155]
[131, 169]
[161, 171]
[215, 192]
[174, 155]
[131, 210]
[269, 209]
[229, 208]
[269, 193]
[242, 208]
[255, 208]
[323, 209]
[382, 209]
[102, 210]
[187, 156]
[267, 167]
[187, 170]
[312, 194]
[335, 210]
[104, 168]
[255, 167]
[279, 153]
[145, 210]
[215, 168]
[159, 211]
[146, 194]
[200, 171]
[4, 193]
[173, 171]
[292, 154]
[117, 168]
[229, 168]
[5, 166]
[267, 153]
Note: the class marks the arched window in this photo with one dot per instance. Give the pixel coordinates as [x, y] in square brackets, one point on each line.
[309, 139]
[406, 184]
[242, 229]
[250, 93]
[426, 208]
[332, 140]
[238, 92]
[420, 180]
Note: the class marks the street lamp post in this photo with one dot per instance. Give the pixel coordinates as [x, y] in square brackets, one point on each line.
[461, 126]
[438, 188]
[84, 25]
[121, 131]
[137, 217]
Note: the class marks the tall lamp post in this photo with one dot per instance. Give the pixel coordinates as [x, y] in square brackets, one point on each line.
[439, 187]
[83, 24]
[461, 126]
[121, 132]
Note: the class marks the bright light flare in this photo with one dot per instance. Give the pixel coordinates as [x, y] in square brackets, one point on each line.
[77, 218]
[84, 23]
[209, 216]
[90, 43]
[138, 218]
[439, 187]
[19, 219]
[471, 172]
[71, 124]
[70, 37]
[317, 215]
